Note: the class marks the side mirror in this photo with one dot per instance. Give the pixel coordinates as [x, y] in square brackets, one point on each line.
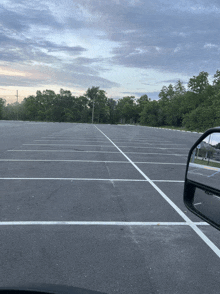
[202, 179]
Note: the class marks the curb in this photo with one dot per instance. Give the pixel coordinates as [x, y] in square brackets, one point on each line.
[175, 130]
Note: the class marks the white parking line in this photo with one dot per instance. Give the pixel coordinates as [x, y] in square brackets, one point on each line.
[89, 161]
[168, 181]
[76, 179]
[175, 207]
[98, 141]
[159, 163]
[164, 154]
[162, 148]
[93, 151]
[96, 223]
[91, 179]
[73, 145]
[62, 160]
[62, 151]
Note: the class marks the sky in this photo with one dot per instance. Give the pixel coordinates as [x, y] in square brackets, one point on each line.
[125, 47]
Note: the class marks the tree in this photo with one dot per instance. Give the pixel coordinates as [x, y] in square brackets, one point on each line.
[2, 104]
[149, 115]
[199, 83]
[98, 104]
[92, 94]
[81, 110]
[179, 88]
[126, 109]
[111, 103]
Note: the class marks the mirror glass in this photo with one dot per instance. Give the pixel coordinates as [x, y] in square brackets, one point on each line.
[204, 165]
[208, 204]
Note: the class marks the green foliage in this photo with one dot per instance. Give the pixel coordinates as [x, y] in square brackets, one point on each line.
[197, 108]
[98, 104]
[126, 110]
[2, 104]
[150, 114]
[198, 84]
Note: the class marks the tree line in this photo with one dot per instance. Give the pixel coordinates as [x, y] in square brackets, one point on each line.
[194, 108]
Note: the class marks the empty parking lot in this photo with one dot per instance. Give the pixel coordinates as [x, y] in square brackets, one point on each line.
[100, 207]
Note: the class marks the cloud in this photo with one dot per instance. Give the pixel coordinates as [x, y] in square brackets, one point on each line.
[151, 95]
[66, 76]
[59, 60]
[163, 35]
[23, 17]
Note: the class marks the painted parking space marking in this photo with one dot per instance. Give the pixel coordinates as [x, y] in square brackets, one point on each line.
[159, 163]
[162, 148]
[116, 141]
[98, 151]
[90, 179]
[96, 223]
[168, 181]
[215, 249]
[63, 160]
[46, 150]
[133, 142]
[171, 154]
[89, 161]
[73, 145]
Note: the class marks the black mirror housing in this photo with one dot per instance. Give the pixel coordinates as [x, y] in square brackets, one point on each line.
[202, 178]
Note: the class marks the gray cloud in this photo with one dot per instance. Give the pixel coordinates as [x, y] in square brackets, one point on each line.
[53, 47]
[61, 78]
[20, 81]
[23, 17]
[173, 82]
[151, 95]
[160, 34]
[180, 37]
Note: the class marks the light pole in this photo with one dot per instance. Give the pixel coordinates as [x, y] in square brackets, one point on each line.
[93, 110]
[17, 104]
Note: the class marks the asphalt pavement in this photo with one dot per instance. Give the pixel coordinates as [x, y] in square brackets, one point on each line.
[100, 208]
